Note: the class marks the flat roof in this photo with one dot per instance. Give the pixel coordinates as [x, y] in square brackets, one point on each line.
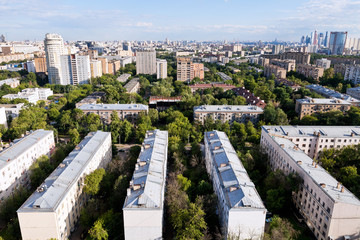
[228, 108]
[115, 107]
[332, 101]
[123, 77]
[131, 84]
[65, 175]
[331, 93]
[148, 181]
[21, 145]
[318, 174]
[223, 76]
[235, 183]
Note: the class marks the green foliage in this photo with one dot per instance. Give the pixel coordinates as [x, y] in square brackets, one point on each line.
[184, 182]
[98, 232]
[281, 229]
[163, 88]
[74, 136]
[92, 181]
[40, 170]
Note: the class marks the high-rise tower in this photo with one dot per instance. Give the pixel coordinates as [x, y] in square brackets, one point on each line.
[54, 48]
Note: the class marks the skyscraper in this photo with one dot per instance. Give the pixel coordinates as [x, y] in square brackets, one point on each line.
[145, 62]
[54, 48]
[337, 42]
[326, 40]
[315, 40]
[75, 69]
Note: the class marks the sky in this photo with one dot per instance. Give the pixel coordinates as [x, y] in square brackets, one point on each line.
[231, 20]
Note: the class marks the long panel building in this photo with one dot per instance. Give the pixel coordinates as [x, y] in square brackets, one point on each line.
[16, 160]
[53, 210]
[330, 210]
[144, 204]
[241, 210]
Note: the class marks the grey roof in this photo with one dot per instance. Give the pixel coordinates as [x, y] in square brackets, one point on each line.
[65, 175]
[150, 172]
[330, 101]
[228, 108]
[318, 174]
[237, 187]
[331, 93]
[21, 145]
[111, 107]
[131, 84]
[123, 77]
[223, 76]
[309, 131]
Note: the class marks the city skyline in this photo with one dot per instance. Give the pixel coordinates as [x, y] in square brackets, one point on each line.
[187, 20]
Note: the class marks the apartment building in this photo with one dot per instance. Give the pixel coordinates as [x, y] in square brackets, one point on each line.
[299, 57]
[323, 63]
[54, 48]
[123, 77]
[32, 95]
[286, 82]
[12, 110]
[12, 82]
[270, 69]
[203, 86]
[287, 64]
[15, 57]
[223, 76]
[104, 65]
[91, 99]
[240, 207]
[40, 64]
[124, 111]
[161, 68]
[133, 86]
[330, 210]
[75, 69]
[354, 92]
[329, 93]
[143, 208]
[187, 70]
[227, 113]
[308, 106]
[146, 62]
[250, 98]
[95, 68]
[113, 66]
[53, 210]
[310, 71]
[16, 159]
[352, 74]
[163, 103]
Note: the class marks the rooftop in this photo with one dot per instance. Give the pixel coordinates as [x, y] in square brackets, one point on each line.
[228, 108]
[235, 183]
[332, 101]
[148, 181]
[116, 107]
[21, 145]
[223, 76]
[54, 188]
[155, 99]
[331, 93]
[123, 77]
[131, 84]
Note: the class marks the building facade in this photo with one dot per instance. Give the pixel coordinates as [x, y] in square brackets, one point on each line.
[12, 82]
[329, 93]
[129, 112]
[133, 86]
[143, 208]
[270, 69]
[53, 210]
[227, 113]
[146, 62]
[249, 97]
[330, 210]
[12, 110]
[352, 74]
[240, 208]
[161, 69]
[54, 48]
[16, 159]
[287, 64]
[323, 63]
[187, 70]
[203, 86]
[75, 69]
[32, 95]
[310, 71]
[40, 64]
[308, 106]
[354, 92]
[337, 42]
[95, 68]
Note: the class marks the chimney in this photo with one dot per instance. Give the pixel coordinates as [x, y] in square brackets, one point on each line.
[313, 163]
[128, 192]
[323, 185]
[299, 162]
[342, 189]
[316, 165]
[338, 185]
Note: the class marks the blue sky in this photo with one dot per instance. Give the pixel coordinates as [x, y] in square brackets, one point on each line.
[239, 20]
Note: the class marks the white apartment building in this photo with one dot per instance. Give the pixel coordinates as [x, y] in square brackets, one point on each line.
[330, 210]
[241, 210]
[3, 119]
[54, 48]
[16, 160]
[228, 113]
[96, 68]
[12, 82]
[30, 66]
[12, 110]
[161, 68]
[323, 63]
[146, 62]
[75, 69]
[144, 204]
[32, 95]
[352, 74]
[53, 210]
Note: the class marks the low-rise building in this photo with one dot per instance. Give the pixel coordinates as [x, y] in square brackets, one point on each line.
[240, 208]
[330, 210]
[53, 210]
[92, 99]
[227, 113]
[286, 82]
[270, 69]
[310, 71]
[287, 64]
[203, 86]
[16, 159]
[32, 95]
[12, 110]
[323, 63]
[133, 86]
[308, 106]
[352, 74]
[12, 82]
[354, 92]
[129, 112]
[329, 93]
[163, 103]
[144, 204]
[123, 77]
[223, 76]
[250, 98]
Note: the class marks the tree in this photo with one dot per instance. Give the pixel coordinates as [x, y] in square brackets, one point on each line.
[92, 181]
[74, 136]
[98, 232]
[40, 170]
[281, 229]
